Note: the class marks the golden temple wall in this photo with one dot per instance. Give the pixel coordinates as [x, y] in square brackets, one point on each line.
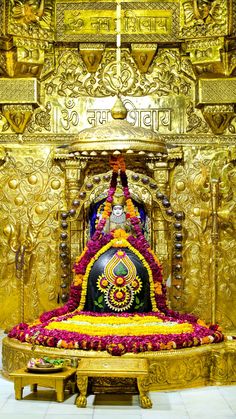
[58, 75]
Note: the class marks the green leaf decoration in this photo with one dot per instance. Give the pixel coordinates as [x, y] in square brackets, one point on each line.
[100, 299]
[120, 269]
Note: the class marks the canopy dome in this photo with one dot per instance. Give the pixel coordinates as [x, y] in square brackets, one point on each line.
[119, 135]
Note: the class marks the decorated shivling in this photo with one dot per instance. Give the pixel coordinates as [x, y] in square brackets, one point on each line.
[118, 300]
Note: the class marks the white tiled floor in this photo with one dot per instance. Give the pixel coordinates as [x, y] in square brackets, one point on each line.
[204, 403]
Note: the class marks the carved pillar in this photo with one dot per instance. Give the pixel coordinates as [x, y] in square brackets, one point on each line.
[215, 237]
[74, 172]
[159, 225]
[71, 227]
[160, 174]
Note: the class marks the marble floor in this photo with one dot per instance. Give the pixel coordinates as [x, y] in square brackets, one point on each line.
[208, 402]
[204, 403]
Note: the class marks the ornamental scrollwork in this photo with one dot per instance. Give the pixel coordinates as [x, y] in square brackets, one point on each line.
[41, 120]
[195, 123]
[163, 78]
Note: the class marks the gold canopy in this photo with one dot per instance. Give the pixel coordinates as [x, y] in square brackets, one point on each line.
[118, 135]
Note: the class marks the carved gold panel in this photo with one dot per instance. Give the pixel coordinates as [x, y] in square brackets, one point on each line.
[198, 18]
[216, 91]
[185, 368]
[31, 196]
[17, 116]
[30, 19]
[177, 73]
[209, 225]
[19, 91]
[147, 21]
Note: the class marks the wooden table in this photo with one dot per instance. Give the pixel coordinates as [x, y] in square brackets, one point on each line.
[56, 380]
[114, 367]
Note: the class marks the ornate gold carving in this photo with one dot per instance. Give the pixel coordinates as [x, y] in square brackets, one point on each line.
[199, 18]
[157, 119]
[73, 18]
[212, 56]
[163, 79]
[31, 196]
[2, 14]
[190, 367]
[205, 51]
[151, 20]
[190, 189]
[3, 155]
[26, 58]
[108, 73]
[3, 64]
[218, 117]
[31, 18]
[17, 116]
[92, 55]
[143, 55]
[22, 91]
[195, 122]
[124, 137]
[145, 401]
[162, 98]
[197, 139]
[82, 383]
[114, 385]
[41, 119]
[74, 177]
[111, 367]
[18, 96]
[216, 91]
[154, 22]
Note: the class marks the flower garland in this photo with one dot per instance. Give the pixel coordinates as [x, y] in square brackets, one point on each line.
[62, 327]
[84, 326]
[62, 337]
[101, 239]
[122, 243]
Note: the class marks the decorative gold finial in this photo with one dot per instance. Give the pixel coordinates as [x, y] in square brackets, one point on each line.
[119, 110]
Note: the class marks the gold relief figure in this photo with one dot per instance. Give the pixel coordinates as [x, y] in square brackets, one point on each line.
[31, 11]
[200, 12]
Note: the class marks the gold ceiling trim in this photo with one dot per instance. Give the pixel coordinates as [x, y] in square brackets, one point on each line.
[170, 140]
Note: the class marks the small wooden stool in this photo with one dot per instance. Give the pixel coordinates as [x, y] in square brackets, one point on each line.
[114, 367]
[56, 380]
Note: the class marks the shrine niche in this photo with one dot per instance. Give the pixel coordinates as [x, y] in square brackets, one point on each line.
[174, 70]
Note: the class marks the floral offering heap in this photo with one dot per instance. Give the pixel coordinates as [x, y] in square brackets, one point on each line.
[117, 299]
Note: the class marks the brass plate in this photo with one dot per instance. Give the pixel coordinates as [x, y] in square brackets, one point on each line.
[44, 370]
